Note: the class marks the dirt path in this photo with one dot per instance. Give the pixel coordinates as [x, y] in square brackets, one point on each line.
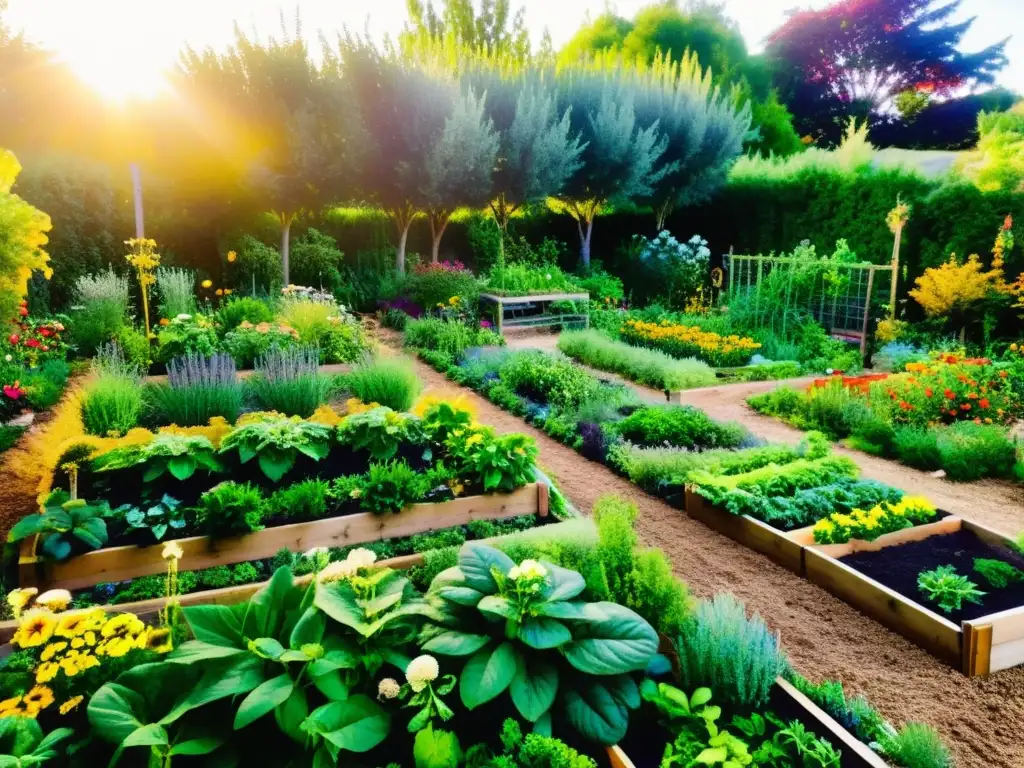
[993, 503]
[980, 719]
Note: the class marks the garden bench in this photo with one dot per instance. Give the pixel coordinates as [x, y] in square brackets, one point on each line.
[510, 310]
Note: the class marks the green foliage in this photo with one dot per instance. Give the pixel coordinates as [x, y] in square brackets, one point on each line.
[517, 279]
[855, 714]
[300, 502]
[434, 284]
[449, 337]
[21, 249]
[326, 326]
[135, 347]
[101, 310]
[997, 164]
[23, 743]
[242, 309]
[186, 334]
[604, 288]
[289, 381]
[998, 573]
[389, 487]
[112, 399]
[644, 366]
[381, 431]
[158, 519]
[395, 319]
[528, 641]
[546, 378]
[175, 289]
[217, 577]
[918, 745]
[917, 447]
[175, 454]
[9, 436]
[498, 464]
[387, 381]
[231, 509]
[947, 588]
[277, 442]
[640, 579]
[772, 480]
[315, 260]
[969, 451]
[737, 657]
[197, 389]
[258, 267]
[680, 426]
[247, 344]
[62, 524]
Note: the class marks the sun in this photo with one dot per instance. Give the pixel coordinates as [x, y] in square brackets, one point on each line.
[116, 77]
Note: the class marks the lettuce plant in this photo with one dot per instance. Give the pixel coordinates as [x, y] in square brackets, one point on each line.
[277, 441]
[179, 455]
[500, 464]
[522, 629]
[61, 522]
[947, 588]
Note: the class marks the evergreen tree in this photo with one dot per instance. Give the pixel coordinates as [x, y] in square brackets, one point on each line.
[495, 28]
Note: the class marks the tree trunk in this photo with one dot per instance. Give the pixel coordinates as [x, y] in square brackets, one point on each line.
[286, 230]
[661, 214]
[585, 250]
[438, 224]
[402, 218]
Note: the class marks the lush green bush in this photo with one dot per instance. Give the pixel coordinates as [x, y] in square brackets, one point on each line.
[112, 400]
[9, 435]
[247, 343]
[917, 746]
[257, 268]
[644, 366]
[231, 509]
[387, 381]
[433, 285]
[969, 451]
[186, 334]
[197, 389]
[517, 279]
[546, 378]
[100, 311]
[449, 337]
[242, 309]
[325, 325]
[680, 426]
[604, 288]
[299, 502]
[289, 381]
[917, 447]
[315, 260]
[175, 291]
[135, 347]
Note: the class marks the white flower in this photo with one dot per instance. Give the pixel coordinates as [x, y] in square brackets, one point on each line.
[172, 550]
[338, 571]
[529, 570]
[9, 358]
[549, 275]
[421, 671]
[184, 316]
[362, 557]
[388, 688]
[315, 552]
[828, 371]
[54, 599]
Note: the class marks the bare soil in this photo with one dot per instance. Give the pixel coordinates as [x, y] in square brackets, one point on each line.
[981, 719]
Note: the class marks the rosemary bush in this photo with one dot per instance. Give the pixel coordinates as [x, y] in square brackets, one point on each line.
[197, 389]
[176, 288]
[289, 381]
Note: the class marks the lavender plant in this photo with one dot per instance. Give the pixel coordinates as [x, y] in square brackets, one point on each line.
[197, 389]
[289, 381]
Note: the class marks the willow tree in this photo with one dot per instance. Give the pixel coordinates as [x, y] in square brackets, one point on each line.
[621, 158]
[459, 168]
[404, 110]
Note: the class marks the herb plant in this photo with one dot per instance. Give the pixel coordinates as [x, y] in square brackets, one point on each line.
[158, 518]
[288, 380]
[381, 431]
[947, 588]
[499, 464]
[389, 487]
[277, 441]
[524, 631]
[176, 454]
[197, 389]
[998, 573]
[231, 509]
[61, 522]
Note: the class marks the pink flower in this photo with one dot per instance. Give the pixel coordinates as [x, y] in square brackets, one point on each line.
[13, 391]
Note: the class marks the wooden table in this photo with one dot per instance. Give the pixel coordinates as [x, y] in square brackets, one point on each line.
[544, 319]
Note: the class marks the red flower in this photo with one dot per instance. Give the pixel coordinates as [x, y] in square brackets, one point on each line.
[904, 405]
[984, 402]
[972, 395]
[45, 332]
[32, 343]
[965, 407]
[928, 392]
[13, 338]
[13, 391]
[949, 394]
[952, 412]
[23, 311]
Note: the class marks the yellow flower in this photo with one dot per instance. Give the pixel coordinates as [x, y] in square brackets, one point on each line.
[46, 671]
[36, 628]
[71, 704]
[19, 598]
[172, 550]
[159, 640]
[123, 625]
[232, 256]
[219, 292]
[207, 283]
[74, 623]
[38, 698]
[8, 704]
[52, 650]
[227, 291]
[474, 439]
[54, 599]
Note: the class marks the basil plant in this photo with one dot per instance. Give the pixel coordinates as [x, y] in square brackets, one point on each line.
[523, 629]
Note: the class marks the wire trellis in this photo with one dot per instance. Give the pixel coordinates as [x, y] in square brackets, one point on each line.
[778, 291]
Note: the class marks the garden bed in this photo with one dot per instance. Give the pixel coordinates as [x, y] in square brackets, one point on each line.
[127, 562]
[511, 303]
[883, 584]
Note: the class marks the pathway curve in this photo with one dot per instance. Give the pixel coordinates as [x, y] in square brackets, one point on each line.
[980, 718]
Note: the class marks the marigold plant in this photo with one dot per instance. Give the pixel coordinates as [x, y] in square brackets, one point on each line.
[868, 525]
[690, 341]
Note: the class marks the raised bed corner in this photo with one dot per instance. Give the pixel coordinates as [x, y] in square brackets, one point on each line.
[199, 552]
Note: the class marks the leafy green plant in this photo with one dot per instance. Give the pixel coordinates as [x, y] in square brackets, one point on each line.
[23, 744]
[917, 447]
[381, 431]
[447, 336]
[524, 631]
[998, 573]
[197, 389]
[276, 442]
[644, 366]
[158, 518]
[918, 745]
[62, 522]
[186, 334]
[679, 426]
[390, 382]
[307, 500]
[289, 381]
[247, 343]
[499, 464]
[231, 509]
[737, 657]
[969, 451]
[112, 399]
[176, 289]
[169, 452]
[242, 309]
[947, 588]
[547, 378]
[532, 751]
[389, 487]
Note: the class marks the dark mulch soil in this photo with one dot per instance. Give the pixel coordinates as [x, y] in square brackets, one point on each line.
[898, 567]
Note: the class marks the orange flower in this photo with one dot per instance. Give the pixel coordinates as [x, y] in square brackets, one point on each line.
[1003, 374]
[904, 405]
[972, 395]
[949, 394]
[984, 403]
[928, 392]
[952, 412]
[965, 407]
[164, 321]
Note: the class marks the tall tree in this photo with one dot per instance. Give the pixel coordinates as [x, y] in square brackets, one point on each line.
[297, 128]
[403, 109]
[495, 28]
[854, 57]
[460, 166]
[621, 159]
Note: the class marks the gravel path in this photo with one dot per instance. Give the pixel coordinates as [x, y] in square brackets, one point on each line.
[981, 719]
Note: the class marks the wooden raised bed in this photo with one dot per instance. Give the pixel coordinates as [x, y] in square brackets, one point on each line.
[761, 537]
[505, 304]
[199, 552]
[977, 647]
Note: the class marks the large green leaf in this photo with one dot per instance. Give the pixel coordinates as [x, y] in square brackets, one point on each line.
[436, 749]
[152, 735]
[543, 633]
[271, 604]
[357, 724]
[192, 651]
[292, 714]
[182, 467]
[315, 449]
[612, 639]
[561, 610]
[461, 595]
[563, 584]
[216, 624]
[276, 463]
[21, 735]
[112, 712]
[238, 674]
[487, 673]
[29, 525]
[593, 711]
[92, 531]
[454, 643]
[332, 685]
[476, 561]
[496, 605]
[534, 687]
[337, 600]
[263, 699]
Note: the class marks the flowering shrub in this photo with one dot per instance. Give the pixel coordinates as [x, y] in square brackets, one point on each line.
[690, 341]
[33, 340]
[186, 334]
[680, 269]
[868, 525]
[248, 342]
[433, 284]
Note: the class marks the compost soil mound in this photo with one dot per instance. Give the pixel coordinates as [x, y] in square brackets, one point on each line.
[981, 719]
[898, 568]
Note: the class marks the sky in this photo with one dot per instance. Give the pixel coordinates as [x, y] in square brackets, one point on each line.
[122, 47]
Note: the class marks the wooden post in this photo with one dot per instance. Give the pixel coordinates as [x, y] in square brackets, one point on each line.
[542, 499]
[140, 227]
[977, 649]
[895, 263]
[867, 313]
